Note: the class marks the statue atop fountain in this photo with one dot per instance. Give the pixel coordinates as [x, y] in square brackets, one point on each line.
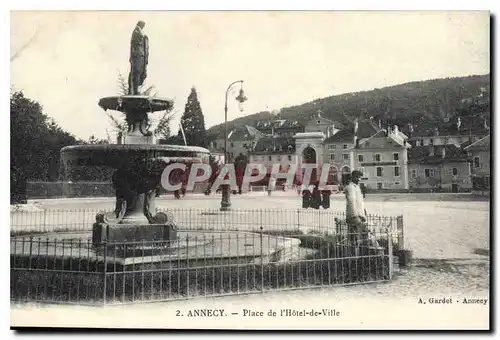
[139, 55]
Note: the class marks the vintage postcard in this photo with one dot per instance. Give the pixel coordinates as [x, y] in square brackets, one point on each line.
[250, 170]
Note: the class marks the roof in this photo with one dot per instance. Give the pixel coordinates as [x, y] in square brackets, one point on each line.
[278, 124]
[278, 145]
[245, 132]
[474, 125]
[366, 129]
[346, 135]
[420, 154]
[482, 143]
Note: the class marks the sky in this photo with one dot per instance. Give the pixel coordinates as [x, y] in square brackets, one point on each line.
[71, 59]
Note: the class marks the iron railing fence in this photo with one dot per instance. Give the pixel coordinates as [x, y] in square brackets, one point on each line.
[305, 221]
[65, 267]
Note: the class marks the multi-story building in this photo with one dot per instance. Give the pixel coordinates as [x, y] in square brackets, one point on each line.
[270, 151]
[439, 168]
[239, 141]
[383, 160]
[339, 150]
[479, 155]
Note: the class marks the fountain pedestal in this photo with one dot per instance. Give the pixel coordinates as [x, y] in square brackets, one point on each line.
[146, 233]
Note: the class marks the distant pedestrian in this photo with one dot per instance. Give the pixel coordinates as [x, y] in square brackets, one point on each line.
[272, 185]
[316, 196]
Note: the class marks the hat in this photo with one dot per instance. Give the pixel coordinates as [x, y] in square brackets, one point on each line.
[356, 173]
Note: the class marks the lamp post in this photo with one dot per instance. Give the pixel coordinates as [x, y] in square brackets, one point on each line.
[225, 203]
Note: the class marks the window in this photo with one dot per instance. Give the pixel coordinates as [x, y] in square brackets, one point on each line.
[431, 141]
[454, 172]
[446, 140]
[361, 159]
[290, 158]
[413, 173]
[379, 186]
[270, 158]
[377, 157]
[476, 162]
[331, 146]
[232, 144]
[279, 158]
[262, 158]
[379, 171]
[396, 171]
[332, 156]
[395, 156]
[345, 156]
[345, 146]
[429, 172]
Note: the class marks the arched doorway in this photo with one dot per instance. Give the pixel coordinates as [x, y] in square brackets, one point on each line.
[346, 174]
[309, 157]
[333, 175]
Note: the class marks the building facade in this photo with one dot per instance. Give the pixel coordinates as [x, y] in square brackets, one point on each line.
[239, 141]
[269, 151]
[383, 160]
[479, 154]
[439, 168]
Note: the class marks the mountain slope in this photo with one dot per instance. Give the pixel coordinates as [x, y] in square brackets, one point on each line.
[424, 104]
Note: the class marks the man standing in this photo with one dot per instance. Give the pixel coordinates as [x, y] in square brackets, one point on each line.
[356, 212]
[139, 55]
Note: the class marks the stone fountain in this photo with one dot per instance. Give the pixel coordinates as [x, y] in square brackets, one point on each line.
[135, 168]
[137, 165]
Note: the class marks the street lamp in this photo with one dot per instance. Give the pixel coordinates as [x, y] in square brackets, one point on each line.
[225, 203]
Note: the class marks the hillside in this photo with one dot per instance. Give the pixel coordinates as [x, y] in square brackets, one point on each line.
[423, 104]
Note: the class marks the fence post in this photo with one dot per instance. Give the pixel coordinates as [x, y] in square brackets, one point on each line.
[400, 231]
[261, 255]
[105, 248]
[44, 220]
[390, 251]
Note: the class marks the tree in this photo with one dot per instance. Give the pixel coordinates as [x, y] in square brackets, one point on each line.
[95, 141]
[193, 121]
[161, 125]
[35, 145]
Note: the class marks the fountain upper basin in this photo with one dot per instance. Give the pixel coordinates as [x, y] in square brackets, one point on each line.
[79, 160]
